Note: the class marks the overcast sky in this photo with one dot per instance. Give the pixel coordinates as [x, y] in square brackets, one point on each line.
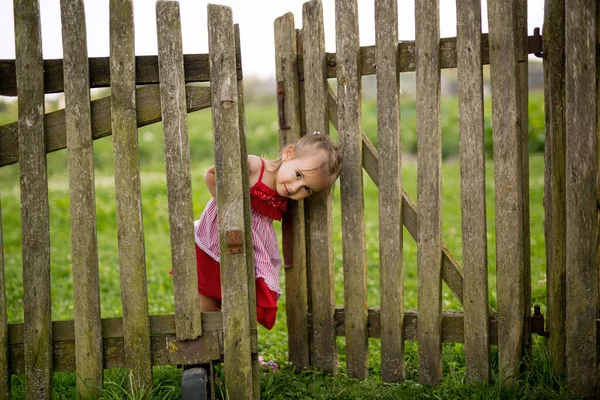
[255, 18]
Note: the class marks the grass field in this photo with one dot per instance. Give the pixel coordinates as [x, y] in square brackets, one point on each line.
[538, 382]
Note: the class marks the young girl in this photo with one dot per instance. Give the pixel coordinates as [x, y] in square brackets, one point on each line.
[307, 167]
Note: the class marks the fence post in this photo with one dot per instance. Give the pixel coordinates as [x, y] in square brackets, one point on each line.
[34, 201]
[4, 354]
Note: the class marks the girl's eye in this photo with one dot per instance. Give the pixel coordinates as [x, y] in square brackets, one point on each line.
[298, 175]
[307, 189]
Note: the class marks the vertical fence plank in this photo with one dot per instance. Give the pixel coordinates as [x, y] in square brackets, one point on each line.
[290, 130]
[247, 213]
[4, 373]
[34, 201]
[230, 193]
[523, 100]
[393, 367]
[318, 208]
[86, 289]
[508, 183]
[177, 160]
[351, 187]
[472, 162]
[554, 179]
[580, 62]
[429, 183]
[134, 293]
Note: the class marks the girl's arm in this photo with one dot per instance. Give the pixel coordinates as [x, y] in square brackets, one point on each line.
[210, 180]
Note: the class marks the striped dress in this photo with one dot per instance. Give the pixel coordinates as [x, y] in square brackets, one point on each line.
[266, 206]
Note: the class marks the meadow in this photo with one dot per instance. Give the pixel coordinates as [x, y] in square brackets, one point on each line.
[261, 122]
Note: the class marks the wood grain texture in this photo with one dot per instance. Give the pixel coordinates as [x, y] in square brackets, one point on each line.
[508, 184]
[429, 184]
[34, 201]
[581, 209]
[554, 179]
[130, 229]
[230, 203]
[393, 368]
[296, 289]
[472, 168]
[177, 161]
[84, 243]
[351, 187]
[318, 207]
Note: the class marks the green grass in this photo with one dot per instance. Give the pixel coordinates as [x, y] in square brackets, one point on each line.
[261, 121]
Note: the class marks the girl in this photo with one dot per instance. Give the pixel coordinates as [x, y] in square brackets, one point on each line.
[310, 166]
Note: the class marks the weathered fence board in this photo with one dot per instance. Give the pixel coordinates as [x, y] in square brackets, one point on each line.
[148, 111]
[351, 187]
[391, 279]
[4, 371]
[84, 245]
[429, 184]
[554, 179]
[472, 162]
[230, 193]
[581, 209]
[318, 208]
[508, 184]
[130, 230]
[179, 180]
[34, 202]
[290, 130]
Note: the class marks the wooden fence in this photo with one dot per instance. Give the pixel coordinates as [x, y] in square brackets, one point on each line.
[307, 104]
[137, 341]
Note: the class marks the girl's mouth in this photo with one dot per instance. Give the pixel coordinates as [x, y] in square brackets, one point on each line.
[287, 190]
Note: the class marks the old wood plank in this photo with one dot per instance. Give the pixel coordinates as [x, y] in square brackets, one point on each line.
[146, 69]
[472, 161]
[451, 272]
[554, 179]
[5, 384]
[429, 183]
[177, 161]
[581, 209]
[84, 245]
[351, 187]
[34, 202]
[130, 230]
[230, 193]
[393, 367]
[147, 112]
[318, 208]
[508, 183]
[296, 289]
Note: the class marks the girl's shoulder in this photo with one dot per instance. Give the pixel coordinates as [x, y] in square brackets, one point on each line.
[254, 167]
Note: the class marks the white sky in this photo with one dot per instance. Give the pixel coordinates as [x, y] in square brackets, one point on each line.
[255, 18]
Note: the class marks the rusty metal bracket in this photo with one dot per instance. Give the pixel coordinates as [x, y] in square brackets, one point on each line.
[281, 106]
[537, 322]
[235, 242]
[535, 44]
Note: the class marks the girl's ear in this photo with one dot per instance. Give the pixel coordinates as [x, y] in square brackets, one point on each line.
[288, 153]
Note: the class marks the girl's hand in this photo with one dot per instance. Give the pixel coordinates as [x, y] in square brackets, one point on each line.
[210, 180]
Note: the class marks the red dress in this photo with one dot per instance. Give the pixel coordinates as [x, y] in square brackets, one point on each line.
[266, 206]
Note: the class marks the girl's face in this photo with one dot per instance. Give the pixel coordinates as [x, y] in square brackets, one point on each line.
[299, 177]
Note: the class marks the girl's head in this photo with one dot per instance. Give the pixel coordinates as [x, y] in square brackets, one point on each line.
[307, 167]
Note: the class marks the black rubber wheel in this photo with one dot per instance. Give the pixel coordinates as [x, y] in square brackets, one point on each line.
[193, 384]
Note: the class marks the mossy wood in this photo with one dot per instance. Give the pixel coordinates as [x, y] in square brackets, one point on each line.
[581, 211]
[429, 188]
[177, 161]
[296, 289]
[554, 180]
[130, 229]
[230, 193]
[393, 368]
[509, 189]
[148, 111]
[34, 202]
[318, 208]
[473, 205]
[84, 244]
[351, 187]
[5, 381]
